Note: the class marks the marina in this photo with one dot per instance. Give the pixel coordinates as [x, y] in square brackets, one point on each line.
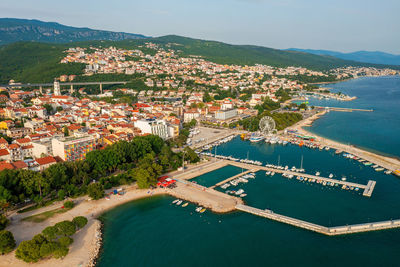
[368, 189]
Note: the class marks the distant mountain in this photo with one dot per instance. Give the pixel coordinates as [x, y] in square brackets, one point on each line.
[14, 30]
[374, 57]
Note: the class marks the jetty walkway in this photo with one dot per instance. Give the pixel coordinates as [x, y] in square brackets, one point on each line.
[232, 178]
[331, 231]
[345, 109]
[368, 189]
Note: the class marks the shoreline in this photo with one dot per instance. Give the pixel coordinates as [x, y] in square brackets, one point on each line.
[390, 163]
[85, 249]
[87, 245]
[354, 78]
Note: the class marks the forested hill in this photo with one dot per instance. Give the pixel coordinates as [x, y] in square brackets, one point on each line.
[15, 30]
[39, 62]
[34, 62]
[249, 54]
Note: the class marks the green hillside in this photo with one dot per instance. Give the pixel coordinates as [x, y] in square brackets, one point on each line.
[34, 62]
[39, 62]
[249, 54]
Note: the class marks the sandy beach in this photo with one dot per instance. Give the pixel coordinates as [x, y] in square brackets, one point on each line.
[86, 241]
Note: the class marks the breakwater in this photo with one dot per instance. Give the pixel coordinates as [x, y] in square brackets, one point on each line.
[330, 231]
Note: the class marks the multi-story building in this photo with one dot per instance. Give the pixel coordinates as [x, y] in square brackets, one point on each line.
[151, 126]
[42, 148]
[225, 114]
[73, 148]
[18, 132]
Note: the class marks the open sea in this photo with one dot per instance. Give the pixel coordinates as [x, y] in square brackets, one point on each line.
[376, 131]
[155, 232]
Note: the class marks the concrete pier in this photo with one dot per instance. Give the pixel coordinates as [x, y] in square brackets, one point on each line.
[346, 109]
[331, 231]
[370, 186]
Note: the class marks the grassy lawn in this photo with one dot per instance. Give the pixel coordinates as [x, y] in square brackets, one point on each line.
[44, 215]
[37, 206]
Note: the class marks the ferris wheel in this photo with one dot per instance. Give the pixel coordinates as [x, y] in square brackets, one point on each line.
[267, 125]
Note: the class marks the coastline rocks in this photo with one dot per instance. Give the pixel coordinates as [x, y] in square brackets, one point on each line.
[95, 249]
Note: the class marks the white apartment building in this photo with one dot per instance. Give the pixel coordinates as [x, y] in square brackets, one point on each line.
[156, 127]
[225, 114]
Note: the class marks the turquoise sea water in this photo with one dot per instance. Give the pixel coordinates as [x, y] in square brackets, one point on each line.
[376, 131]
[154, 232]
[211, 178]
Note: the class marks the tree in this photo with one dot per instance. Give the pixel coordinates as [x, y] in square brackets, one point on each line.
[190, 155]
[142, 176]
[65, 228]
[48, 248]
[65, 241]
[34, 180]
[68, 204]
[3, 222]
[80, 221]
[61, 194]
[192, 123]
[57, 175]
[156, 143]
[28, 251]
[49, 108]
[60, 252]
[7, 242]
[95, 191]
[50, 233]
[66, 131]
[207, 97]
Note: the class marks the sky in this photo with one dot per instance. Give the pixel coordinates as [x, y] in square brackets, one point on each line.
[339, 25]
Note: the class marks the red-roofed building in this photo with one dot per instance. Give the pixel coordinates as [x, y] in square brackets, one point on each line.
[5, 154]
[143, 107]
[45, 162]
[61, 99]
[20, 165]
[5, 165]
[23, 142]
[3, 143]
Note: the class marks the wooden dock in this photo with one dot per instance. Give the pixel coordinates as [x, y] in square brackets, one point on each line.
[232, 178]
[368, 189]
[330, 231]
